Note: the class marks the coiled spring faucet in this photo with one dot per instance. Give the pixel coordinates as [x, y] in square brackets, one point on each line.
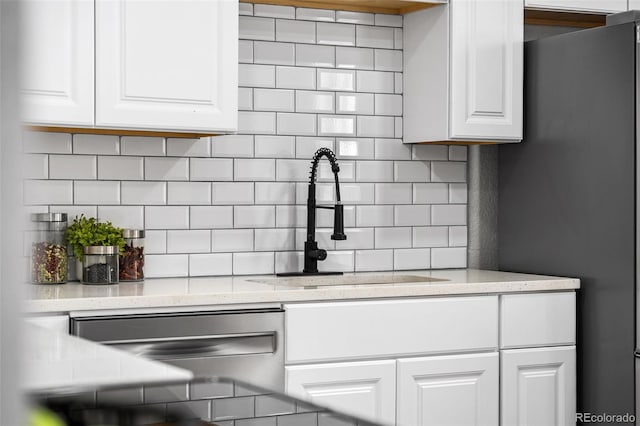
[312, 254]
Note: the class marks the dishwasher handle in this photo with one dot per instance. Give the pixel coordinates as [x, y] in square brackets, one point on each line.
[189, 347]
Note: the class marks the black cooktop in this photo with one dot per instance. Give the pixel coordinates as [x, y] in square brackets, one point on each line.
[202, 401]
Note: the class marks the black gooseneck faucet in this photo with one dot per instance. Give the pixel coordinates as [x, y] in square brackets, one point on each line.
[312, 254]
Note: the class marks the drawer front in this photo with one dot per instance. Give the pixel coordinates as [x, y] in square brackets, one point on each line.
[537, 319]
[57, 323]
[349, 330]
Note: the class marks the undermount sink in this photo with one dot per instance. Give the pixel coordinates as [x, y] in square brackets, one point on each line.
[332, 280]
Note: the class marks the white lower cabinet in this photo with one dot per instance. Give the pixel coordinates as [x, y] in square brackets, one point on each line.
[539, 386]
[453, 390]
[365, 389]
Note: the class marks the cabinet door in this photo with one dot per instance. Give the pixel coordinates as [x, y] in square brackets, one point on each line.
[168, 64]
[634, 4]
[539, 386]
[579, 5]
[460, 390]
[57, 68]
[366, 389]
[486, 69]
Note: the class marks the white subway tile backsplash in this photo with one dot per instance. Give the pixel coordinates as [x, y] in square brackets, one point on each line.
[46, 143]
[211, 169]
[254, 28]
[232, 146]
[388, 104]
[357, 193]
[315, 14]
[275, 146]
[398, 127]
[209, 264]
[189, 193]
[430, 193]
[96, 144]
[388, 60]
[354, 17]
[73, 211]
[96, 192]
[457, 153]
[355, 148]
[336, 125]
[123, 216]
[231, 240]
[446, 171]
[311, 101]
[178, 147]
[451, 214]
[338, 80]
[227, 193]
[145, 193]
[275, 193]
[307, 146]
[388, 20]
[254, 216]
[155, 242]
[171, 168]
[347, 172]
[210, 217]
[273, 100]
[245, 8]
[374, 216]
[374, 260]
[254, 169]
[274, 239]
[296, 78]
[253, 263]
[375, 81]
[457, 236]
[410, 171]
[250, 75]
[429, 152]
[369, 36]
[355, 58]
[48, 192]
[36, 166]
[458, 193]
[407, 259]
[393, 193]
[412, 215]
[245, 51]
[138, 145]
[397, 82]
[266, 52]
[309, 55]
[323, 237]
[166, 265]
[292, 170]
[325, 193]
[291, 217]
[357, 239]
[374, 171]
[354, 103]
[430, 236]
[288, 261]
[393, 237]
[245, 99]
[195, 241]
[274, 11]
[166, 217]
[371, 126]
[257, 122]
[295, 31]
[338, 261]
[72, 167]
[392, 149]
[442, 258]
[296, 124]
[338, 34]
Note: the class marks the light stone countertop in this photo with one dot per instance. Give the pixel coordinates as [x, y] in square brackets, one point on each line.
[57, 362]
[183, 292]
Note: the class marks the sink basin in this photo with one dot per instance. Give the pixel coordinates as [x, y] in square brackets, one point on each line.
[333, 280]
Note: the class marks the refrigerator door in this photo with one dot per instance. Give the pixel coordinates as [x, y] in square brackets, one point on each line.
[567, 197]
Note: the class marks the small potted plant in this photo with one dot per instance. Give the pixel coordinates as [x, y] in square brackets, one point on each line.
[97, 246]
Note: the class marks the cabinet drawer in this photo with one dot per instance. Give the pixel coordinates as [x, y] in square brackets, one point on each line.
[537, 319]
[348, 330]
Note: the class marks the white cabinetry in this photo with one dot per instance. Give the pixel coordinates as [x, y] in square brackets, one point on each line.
[463, 72]
[448, 390]
[57, 67]
[365, 389]
[634, 5]
[168, 65]
[597, 6]
[57, 323]
[539, 386]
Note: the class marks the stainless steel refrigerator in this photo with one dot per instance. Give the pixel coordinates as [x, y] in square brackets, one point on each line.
[569, 194]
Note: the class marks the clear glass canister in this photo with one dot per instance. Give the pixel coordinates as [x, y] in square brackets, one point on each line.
[100, 265]
[49, 260]
[132, 259]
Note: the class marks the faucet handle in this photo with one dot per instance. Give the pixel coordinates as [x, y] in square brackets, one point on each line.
[318, 254]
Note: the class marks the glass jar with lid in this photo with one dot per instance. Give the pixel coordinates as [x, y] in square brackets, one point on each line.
[49, 260]
[100, 265]
[132, 258]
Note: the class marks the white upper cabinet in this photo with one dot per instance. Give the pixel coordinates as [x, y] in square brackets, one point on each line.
[166, 65]
[601, 6]
[169, 61]
[57, 55]
[634, 4]
[463, 72]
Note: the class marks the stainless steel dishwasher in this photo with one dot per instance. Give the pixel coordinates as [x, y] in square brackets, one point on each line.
[243, 344]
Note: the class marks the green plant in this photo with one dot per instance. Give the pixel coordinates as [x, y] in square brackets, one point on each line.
[84, 232]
